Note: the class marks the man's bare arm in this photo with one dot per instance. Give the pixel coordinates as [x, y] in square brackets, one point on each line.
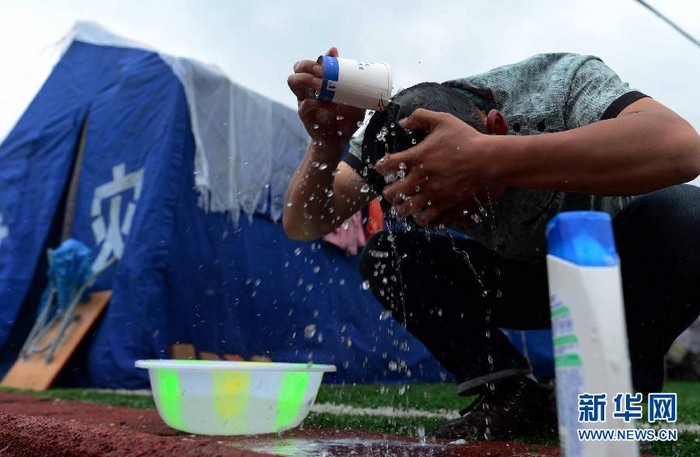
[323, 192]
[646, 147]
[320, 196]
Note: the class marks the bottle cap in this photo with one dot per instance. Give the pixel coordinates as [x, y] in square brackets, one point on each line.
[582, 237]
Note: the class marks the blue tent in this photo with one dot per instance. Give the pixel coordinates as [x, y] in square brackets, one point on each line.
[153, 190]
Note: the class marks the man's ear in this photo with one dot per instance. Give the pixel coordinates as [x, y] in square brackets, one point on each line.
[496, 123]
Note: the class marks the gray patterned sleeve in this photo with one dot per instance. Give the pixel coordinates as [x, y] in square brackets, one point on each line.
[594, 87]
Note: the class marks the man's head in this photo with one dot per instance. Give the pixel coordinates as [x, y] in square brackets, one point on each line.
[384, 135]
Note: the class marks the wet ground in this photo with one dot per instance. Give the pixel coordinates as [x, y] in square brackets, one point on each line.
[31, 426]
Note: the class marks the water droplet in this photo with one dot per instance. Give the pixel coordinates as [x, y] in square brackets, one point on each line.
[317, 269]
[417, 189]
[393, 366]
[297, 251]
[364, 189]
[386, 314]
[421, 434]
[323, 166]
[339, 117]
[389, 178]
[310, 331]
[365, 285]
[340, 133]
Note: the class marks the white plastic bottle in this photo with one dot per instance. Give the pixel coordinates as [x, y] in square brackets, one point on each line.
[355, 82]
[588, 329]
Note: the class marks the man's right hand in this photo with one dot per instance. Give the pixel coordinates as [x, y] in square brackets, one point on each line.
[330, 125]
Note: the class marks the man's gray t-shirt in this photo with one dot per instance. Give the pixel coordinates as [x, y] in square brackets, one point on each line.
[545, 93]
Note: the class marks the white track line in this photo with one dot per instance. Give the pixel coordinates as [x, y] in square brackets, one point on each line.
[382, 411]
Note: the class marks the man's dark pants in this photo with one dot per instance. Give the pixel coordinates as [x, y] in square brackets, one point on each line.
[455, 306]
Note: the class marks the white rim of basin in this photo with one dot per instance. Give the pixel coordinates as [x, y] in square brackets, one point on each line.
[196, 365]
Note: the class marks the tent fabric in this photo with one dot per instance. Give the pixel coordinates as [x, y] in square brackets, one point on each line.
[232, 130]
[185, 274]
[35, 164]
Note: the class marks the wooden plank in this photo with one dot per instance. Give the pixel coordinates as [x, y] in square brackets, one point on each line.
[35, 373]
[260, 358]
[233, 357]
[204, 355]
[182, 351]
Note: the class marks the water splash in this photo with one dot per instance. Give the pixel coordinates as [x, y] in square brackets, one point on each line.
[386, 314]
[421, 435]
[310, 331]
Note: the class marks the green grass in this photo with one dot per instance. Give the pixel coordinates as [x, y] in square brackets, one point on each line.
[688, 400]
[424, 397]
[91, 396]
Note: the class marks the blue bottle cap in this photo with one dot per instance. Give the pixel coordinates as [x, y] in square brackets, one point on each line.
[582, 237]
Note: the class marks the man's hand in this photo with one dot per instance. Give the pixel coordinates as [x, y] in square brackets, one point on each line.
[320, 198]
[328, 123]
[445, 178]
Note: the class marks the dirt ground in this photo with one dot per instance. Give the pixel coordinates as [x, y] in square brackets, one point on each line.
[32, 426]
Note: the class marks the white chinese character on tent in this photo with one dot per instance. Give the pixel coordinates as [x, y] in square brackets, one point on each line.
[4, 231]
[110, 235]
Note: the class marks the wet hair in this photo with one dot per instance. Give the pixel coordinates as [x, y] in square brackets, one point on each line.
[384, 135]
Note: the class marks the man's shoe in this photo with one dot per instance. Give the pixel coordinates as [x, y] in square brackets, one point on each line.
[515, 407]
